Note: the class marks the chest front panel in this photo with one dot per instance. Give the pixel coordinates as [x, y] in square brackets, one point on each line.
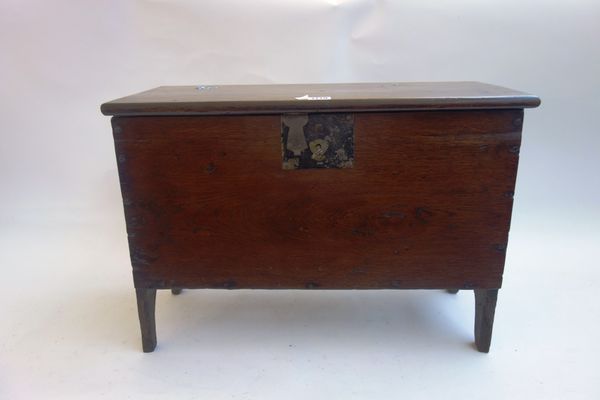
[425, 202]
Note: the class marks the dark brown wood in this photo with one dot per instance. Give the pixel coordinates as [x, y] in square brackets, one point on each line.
[217, 195]
[426, 205]
[146, 301]
[261, 99]
[485, 307]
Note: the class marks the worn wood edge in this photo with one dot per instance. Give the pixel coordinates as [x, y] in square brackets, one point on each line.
[146, 283]
[262, 108]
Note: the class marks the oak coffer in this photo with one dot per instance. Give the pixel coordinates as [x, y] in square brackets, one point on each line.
[321, 186]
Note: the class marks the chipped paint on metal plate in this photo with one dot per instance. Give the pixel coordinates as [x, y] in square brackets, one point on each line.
[317, 141]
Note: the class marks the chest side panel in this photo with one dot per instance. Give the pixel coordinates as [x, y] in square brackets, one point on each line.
[426, 204]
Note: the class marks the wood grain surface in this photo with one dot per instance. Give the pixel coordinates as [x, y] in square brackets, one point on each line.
[265, 99]
[426, 205]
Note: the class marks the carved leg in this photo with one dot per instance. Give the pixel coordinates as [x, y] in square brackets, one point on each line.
[452, 291]
[485, 305]
[146, 301]
[176, 291]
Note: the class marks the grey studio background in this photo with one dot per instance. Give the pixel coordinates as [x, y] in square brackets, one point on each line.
[69, 325]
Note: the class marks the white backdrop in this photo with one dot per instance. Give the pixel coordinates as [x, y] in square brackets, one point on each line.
[69, 324]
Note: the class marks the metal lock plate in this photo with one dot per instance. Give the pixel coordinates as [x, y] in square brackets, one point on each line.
[317, 140]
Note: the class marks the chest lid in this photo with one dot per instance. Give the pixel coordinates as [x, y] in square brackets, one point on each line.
[303, 98]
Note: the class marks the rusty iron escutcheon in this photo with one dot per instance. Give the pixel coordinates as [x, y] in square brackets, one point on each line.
[317, 140]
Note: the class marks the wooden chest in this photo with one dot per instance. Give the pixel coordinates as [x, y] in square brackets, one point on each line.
[338, 186]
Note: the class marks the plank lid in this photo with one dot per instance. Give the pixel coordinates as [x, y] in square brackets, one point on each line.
[355, 97]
